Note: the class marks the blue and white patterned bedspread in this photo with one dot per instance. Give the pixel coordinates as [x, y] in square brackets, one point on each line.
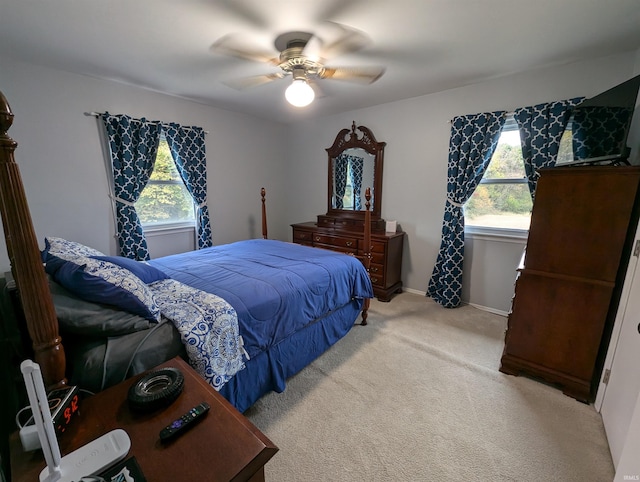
[208, 326]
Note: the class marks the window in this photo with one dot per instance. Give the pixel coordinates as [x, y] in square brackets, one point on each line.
[348, 192]
[565, 151]
[165, 199]
[502, 199]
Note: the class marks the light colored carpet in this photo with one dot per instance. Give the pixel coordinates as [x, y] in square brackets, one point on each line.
[417, 396]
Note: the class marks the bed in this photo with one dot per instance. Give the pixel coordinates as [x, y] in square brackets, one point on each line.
[290, 304]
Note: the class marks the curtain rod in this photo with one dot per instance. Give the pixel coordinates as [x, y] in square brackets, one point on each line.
[98, 114]
[507, 114]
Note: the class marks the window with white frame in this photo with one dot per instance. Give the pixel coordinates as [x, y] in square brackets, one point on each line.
[502, 199]
[165, 201]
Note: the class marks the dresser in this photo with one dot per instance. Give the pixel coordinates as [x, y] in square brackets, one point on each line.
[386, 250]
[354, 205]
[569, 282]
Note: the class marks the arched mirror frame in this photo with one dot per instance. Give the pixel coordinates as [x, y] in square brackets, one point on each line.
[364, 139]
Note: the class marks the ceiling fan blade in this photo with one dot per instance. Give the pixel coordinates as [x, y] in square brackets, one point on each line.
[350, 40]
[313, 49]
[363, 75]
[253, 81]
[234, 46]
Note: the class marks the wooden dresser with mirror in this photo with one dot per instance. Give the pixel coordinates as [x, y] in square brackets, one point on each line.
[355, 164]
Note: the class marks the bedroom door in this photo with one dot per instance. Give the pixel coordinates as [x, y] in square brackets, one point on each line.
[622, 389]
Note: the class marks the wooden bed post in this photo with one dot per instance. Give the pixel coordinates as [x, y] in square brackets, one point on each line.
[367, 248]
[264, 214]
[26, 264]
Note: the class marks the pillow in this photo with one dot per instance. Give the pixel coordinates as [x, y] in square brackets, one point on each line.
[147, 273]
[59, 250]
[81, 317]
[104, 282]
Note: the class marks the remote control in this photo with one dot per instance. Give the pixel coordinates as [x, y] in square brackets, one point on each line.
[180, 425]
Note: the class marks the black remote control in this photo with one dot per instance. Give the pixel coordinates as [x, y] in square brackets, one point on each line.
[180, 425]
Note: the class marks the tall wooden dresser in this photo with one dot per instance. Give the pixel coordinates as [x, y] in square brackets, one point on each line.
[386, 252]
[568, 287]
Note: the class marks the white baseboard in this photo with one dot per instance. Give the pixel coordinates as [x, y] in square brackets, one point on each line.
[480, 307]
[490, 310]
[415, 292]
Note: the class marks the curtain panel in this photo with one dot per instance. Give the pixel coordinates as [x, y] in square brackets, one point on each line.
[133, 144]
[473, 140]
[541, 128]
[356, 166]
[188, 151]
[599, 130]
[340, 180]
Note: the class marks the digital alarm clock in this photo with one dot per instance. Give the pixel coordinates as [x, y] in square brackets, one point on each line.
[63, 404]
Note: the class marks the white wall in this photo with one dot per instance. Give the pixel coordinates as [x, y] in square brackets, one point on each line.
[414, 185]
[62, 164]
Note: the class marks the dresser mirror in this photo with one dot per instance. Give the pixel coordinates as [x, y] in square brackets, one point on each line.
[355, 164]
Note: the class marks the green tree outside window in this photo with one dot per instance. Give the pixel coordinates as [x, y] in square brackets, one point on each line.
[165, 199]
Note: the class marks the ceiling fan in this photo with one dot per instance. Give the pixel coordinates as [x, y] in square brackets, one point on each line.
[301, 55]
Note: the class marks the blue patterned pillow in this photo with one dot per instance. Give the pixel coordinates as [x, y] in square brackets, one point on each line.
[58, 250]
[100, 281]
[147, 273]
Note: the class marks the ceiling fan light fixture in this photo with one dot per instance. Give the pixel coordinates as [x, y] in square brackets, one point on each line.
[299, 93]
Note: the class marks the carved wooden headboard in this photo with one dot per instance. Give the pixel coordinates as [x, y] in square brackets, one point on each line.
[26, 264]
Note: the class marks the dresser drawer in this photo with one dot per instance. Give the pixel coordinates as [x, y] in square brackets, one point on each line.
[377, 251]
[377, 258]
[340, 249]
[325, 221]
[376, 273]
[338, 241]
[345, 223]
[377, 247]
[302, 237]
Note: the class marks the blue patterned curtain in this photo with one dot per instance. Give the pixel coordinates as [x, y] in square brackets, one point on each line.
[340, 165]
[356, 165]
[541, 128]
[133, 144]
[599, 130]
[473, 140]
[188, 152]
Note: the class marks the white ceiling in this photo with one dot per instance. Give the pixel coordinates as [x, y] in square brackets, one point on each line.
[426, 45]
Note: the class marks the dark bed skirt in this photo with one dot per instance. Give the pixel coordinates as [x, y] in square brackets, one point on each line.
[269, 370]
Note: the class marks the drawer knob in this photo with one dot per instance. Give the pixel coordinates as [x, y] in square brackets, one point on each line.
[317, 238]
[374, 280]
[374, 270]
[349, 243]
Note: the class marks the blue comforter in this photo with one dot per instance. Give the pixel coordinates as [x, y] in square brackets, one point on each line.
[276, 288]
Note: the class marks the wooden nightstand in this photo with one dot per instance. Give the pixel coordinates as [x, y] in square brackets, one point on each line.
[223, 446]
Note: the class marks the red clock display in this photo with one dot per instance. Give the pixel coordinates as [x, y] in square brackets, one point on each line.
[63, 403]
